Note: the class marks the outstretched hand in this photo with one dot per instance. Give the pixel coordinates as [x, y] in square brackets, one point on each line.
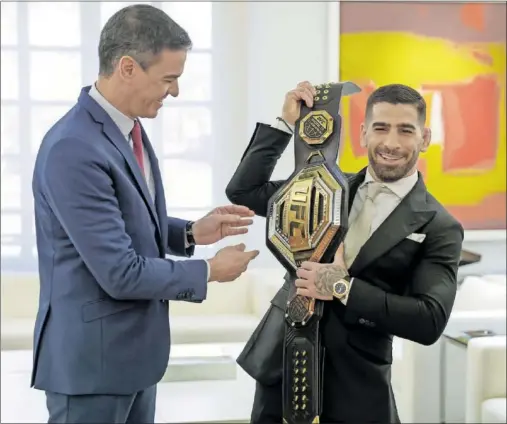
[221, 222]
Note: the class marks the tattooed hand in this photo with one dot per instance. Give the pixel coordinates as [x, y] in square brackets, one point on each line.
[317, 280]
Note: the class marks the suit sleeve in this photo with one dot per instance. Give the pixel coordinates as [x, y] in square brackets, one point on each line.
[250, 185]
[422, 314]
[176, 238]
[80, 191]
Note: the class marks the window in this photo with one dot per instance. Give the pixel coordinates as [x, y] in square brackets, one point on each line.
[48, 54]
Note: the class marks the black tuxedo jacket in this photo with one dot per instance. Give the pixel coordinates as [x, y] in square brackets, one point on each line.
[401, 288]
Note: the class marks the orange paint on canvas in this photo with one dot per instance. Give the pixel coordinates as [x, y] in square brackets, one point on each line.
[472, 15]
[470, 116]
[487, 215]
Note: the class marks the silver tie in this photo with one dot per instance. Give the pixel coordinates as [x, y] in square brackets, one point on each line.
[359, 230]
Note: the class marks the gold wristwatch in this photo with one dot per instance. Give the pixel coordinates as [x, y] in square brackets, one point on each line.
[341, 288]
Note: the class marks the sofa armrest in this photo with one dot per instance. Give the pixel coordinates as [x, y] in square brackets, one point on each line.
[478, 293]
[486, 319]
[486, 367]
[418, 370]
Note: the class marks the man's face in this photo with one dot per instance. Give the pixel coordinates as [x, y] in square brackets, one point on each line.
[148, 88]
[394, 137]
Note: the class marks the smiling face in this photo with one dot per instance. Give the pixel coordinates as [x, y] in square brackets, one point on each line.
[148, 88]
[394, 136]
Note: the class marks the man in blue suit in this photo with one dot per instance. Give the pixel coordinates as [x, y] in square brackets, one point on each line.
[102, 337]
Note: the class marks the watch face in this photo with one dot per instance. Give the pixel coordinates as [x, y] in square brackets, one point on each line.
[340, 288]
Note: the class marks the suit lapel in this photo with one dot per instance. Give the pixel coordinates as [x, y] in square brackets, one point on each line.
[160, 204]
[412, 213]
[113, 133]
[116, 137]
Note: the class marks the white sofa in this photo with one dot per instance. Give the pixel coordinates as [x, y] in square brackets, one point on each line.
[418, 371]
[486, 380]
[229, 314]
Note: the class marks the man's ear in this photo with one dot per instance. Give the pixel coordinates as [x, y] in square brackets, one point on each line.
[127, 67]
[362, 135]
[426, 139]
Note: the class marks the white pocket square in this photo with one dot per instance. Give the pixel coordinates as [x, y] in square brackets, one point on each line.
[418, 238]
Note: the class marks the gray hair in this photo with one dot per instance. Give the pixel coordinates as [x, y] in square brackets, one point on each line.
[140, 31]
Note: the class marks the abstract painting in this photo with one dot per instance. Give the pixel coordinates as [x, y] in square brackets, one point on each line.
[455, 55]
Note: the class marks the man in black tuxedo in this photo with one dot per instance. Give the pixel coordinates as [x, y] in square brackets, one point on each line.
[399, 261]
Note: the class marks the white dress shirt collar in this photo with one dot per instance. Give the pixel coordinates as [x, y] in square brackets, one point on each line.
[123, 122]
[400, 187]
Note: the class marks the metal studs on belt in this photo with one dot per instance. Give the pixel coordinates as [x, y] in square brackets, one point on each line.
[299, 382]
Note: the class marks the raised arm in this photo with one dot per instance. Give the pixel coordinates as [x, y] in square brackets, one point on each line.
[250, 185]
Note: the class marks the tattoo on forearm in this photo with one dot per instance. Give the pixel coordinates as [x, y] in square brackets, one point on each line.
[326, 277]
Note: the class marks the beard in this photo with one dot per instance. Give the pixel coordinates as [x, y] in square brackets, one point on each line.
[391, 173]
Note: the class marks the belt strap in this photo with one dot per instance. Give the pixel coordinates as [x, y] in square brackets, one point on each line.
[303, 361]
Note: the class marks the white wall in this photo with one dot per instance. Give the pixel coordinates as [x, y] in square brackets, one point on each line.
[267, 49]
[275, 45]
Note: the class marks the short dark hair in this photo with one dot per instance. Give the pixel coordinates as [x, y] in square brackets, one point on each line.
[142, 32]
[397, 94]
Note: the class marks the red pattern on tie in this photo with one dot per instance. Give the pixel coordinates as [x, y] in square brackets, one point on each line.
[137, 140]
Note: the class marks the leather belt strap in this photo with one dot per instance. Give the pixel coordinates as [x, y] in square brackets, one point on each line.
[303, 365]
[307, 221]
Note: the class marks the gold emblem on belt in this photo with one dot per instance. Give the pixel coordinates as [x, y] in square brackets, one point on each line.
[316, 127]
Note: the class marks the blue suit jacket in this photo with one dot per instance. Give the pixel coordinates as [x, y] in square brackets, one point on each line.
[102, 326]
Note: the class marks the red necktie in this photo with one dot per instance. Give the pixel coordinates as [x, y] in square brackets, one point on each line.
[137, 141]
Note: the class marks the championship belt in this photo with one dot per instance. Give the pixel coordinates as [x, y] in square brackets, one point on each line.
[307, 221]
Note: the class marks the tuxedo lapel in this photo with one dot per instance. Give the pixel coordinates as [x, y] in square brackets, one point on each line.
[411, 214]
[355, 181]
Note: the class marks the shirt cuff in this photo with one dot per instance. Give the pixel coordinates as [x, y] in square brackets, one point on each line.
[207, 264]
[344, 300]
[187, 245]
[280, 125]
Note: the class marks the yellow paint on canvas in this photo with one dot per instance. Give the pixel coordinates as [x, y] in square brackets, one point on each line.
[413, 60]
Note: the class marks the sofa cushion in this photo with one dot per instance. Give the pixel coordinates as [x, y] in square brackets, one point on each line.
[212, 329]
[234, 298]
[494, 411]
[17, 333]
[20, 296]
[477, 293]
[500, 279]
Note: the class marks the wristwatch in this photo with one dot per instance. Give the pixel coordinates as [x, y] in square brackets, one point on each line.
[341, 288]
[190, 233]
